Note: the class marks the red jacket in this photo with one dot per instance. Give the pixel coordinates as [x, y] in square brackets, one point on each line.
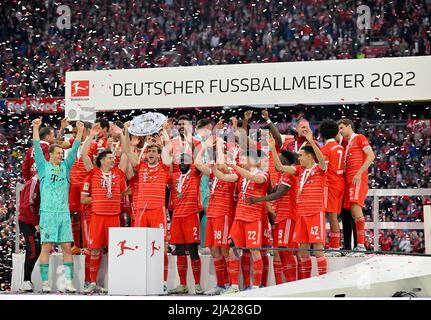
[28, 168]
[29, 202]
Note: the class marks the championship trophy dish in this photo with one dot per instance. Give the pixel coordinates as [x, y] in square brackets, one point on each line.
[147, 124]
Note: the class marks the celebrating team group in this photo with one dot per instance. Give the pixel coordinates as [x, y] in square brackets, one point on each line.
[254, 191]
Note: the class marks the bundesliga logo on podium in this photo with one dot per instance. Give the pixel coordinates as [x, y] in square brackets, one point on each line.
[123, 247]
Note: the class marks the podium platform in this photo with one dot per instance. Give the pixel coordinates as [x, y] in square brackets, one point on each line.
[208, 279]
[378, 276]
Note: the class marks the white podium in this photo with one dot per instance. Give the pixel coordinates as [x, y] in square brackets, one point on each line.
[135, 261]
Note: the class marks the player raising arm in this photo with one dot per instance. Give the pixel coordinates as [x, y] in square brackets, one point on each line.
[55, 224]
[310, 226]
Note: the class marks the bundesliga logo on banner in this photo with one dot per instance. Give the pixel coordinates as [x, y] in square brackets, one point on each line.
[80, 88]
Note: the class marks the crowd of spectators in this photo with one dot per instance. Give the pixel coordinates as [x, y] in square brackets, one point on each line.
[397, 240]
[35, 53]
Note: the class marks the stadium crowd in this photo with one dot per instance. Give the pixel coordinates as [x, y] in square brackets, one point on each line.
[35, 54]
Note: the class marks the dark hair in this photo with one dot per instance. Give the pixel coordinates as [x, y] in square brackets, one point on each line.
[102, 155]
[183, 117]
[328, 129]
[202, 123]
[44, 132]
[104, 123]
[309, 150]
[159, 150]
[52, 147]
[289, 156]
[346, 122]
[119, 124]
[87, 125]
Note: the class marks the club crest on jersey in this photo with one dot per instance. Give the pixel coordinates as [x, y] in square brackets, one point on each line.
[145, 175]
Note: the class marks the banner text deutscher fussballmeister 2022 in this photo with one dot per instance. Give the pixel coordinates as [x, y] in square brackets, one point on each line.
[285, 83]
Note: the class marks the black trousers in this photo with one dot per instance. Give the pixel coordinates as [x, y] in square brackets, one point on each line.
[32, 248]
[349, 227]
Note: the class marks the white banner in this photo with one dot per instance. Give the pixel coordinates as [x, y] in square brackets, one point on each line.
[314, 82]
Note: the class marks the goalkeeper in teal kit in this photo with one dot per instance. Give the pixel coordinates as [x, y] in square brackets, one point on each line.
[55, 224]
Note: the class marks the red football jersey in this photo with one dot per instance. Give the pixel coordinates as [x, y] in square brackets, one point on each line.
[295, 143]
[249, 213]
[179, 147]
[334, 156]
[185, 193]
[285, 207]
[95, 186]
[355, 156]
[311, 190]
[98, 146]
[78, 172]
[28, 165]
[29, 202]
[133, 184]
[152, 182]
[221, 198]
[273, 173]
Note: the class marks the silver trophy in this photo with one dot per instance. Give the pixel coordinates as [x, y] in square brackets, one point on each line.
[147, 124]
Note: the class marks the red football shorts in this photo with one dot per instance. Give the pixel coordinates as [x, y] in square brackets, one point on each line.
[99, 229]
[333, 196]
[355, 194]
[217, 231]
[247, 234]
[185, 229]
[85, 223]
[266, 231]
[282, 234]
[310, 229]
[152, 218]
[75, 198]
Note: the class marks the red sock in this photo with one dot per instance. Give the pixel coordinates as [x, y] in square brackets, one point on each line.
[321, 265]
[182, 269]
[334, 240]
[166, 267]
[289, 264]
[87, 268]
[94, 267]
[226, 272]
[278, 270]
[257, 271]
[233, 267]
[76, 231]
[219, 270]
[245, 266]
[196, 268]
[360, 230]
[305, 266]
[265, 272]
